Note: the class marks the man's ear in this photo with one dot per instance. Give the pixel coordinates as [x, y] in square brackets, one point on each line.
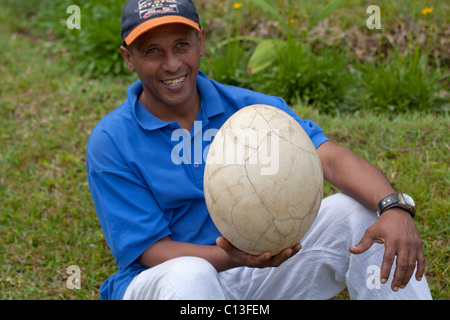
[201, 39]
[127, 56]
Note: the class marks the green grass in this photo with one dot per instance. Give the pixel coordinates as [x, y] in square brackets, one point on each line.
[47, 219]
[47, 222]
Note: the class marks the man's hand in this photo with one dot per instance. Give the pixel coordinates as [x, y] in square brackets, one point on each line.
[397, 231]
[264, 260]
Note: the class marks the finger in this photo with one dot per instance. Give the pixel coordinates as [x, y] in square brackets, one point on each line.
[386, 265]
[411, 266]
[400, 270]
[224, 243]
[296, 248]
[420, 263]
[261, 261]
[366, 242]
[278, 259]
[284, 255]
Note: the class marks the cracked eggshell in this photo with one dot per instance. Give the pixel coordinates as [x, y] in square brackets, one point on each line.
[263, 180]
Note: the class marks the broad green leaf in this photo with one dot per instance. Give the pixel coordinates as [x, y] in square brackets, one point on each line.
[266, 52]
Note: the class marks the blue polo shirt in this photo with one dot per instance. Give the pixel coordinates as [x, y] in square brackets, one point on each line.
[146, 175]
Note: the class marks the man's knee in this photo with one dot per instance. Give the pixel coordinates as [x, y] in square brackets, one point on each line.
[342, 203]
[341, 221]
[190, 269]
[180, 278]
[343, 209]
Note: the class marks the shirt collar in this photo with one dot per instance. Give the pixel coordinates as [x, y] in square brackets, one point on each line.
[211, 103]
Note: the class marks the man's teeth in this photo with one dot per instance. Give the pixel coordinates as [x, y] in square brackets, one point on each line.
[174, 82]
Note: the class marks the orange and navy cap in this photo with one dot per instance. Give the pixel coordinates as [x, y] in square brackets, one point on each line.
[139, 16]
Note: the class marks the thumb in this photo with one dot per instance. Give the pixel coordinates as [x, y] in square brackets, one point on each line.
[224, 243]
[365, 243]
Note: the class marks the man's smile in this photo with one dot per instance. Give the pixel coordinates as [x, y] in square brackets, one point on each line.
[174, 83]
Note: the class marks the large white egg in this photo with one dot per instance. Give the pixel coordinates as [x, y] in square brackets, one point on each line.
[263, 180]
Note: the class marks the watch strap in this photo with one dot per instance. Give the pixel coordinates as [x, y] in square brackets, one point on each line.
[390, 201]
[387, 202]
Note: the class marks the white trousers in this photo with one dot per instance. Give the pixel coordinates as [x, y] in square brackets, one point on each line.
[322, 269]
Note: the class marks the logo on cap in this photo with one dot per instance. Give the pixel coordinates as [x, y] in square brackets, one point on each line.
[149, 8]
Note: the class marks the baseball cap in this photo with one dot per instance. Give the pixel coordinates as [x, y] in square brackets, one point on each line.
[139, 16]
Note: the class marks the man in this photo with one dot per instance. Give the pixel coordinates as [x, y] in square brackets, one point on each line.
[152, 209]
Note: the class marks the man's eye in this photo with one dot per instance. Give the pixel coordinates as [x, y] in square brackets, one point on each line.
[152, 51]
[182, 45]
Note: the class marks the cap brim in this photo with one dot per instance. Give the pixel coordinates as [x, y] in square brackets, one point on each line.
[156, 22]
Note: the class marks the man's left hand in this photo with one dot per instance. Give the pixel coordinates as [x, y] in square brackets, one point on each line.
[397, 230]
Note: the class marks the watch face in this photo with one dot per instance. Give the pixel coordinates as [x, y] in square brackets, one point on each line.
[408, 200]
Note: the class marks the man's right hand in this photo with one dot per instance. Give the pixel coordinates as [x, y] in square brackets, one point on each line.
[264, 260]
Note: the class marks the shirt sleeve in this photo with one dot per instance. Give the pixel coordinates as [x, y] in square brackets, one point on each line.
[314, 132]
[127, 210]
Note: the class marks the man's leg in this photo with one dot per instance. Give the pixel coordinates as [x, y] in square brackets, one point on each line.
[324, 266]
[185, 278]
[322, 269]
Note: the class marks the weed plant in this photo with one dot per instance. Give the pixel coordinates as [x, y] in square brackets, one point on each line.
[94, 48]
[300, 75]
[400, 83]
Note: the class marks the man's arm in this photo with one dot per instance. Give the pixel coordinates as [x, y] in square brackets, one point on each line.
[222, 257]
[359, 179]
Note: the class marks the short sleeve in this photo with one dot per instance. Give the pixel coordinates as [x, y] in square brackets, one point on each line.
[314, 132]
[128, 213]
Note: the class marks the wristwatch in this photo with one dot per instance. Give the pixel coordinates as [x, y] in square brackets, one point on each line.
[401, 200]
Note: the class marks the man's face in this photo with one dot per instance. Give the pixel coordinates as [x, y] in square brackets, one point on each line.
[167, 60]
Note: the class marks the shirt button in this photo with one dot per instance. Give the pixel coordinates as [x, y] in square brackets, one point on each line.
[196, 164]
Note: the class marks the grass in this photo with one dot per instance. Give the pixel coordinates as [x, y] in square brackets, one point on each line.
[47, 222]
[47, 219]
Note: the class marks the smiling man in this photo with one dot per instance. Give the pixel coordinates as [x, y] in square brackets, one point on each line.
[168, 68]
[153, 212]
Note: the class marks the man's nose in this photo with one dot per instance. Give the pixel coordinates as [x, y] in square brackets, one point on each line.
[172, 63]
